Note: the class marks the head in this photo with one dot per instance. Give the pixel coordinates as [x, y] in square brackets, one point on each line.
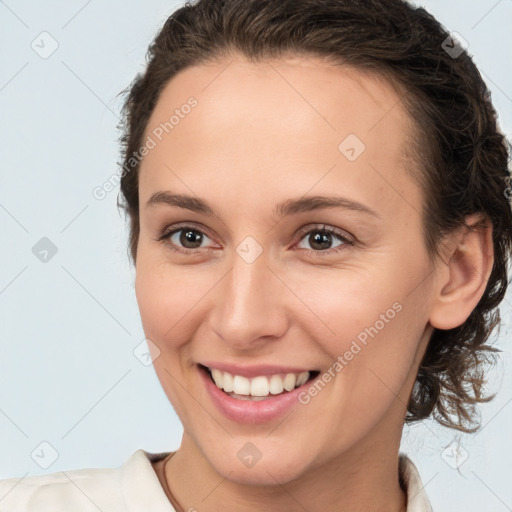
[250, 105]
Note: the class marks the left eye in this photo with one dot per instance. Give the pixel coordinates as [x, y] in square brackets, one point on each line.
[320, 237]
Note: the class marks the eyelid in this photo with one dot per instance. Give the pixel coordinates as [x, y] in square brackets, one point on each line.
[184, 225]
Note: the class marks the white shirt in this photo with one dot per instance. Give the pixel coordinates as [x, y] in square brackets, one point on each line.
[133, 487]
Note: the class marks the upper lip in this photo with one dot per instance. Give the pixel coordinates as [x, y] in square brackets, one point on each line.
[254, 370]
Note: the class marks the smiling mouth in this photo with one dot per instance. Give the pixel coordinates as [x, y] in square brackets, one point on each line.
[259, 387]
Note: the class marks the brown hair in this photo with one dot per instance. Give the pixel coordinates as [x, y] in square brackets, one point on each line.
[462, 157]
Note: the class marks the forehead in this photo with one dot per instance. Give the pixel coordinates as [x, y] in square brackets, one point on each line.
[281, 121]
[307, 88]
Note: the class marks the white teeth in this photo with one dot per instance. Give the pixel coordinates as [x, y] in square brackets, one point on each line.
[241, 385]
[289, 381]
[276, 385]
[302, 378]
[259, 386]
[227, 384]
[217, 377]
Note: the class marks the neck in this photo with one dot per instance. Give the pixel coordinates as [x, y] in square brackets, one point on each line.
[352, 482]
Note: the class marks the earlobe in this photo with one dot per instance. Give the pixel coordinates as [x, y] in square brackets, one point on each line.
[464, 273]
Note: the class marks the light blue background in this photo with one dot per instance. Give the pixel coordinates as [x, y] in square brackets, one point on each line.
[68, 327]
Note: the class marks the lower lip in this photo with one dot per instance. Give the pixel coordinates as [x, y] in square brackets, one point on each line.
[249, 411]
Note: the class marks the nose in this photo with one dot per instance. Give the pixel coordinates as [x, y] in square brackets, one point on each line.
[251, 305]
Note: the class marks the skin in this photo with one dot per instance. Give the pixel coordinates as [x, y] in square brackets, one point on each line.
[263, 133]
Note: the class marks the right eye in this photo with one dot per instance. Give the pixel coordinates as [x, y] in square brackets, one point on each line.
[180, 239]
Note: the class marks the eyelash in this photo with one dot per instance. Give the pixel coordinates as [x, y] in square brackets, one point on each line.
[164, 238]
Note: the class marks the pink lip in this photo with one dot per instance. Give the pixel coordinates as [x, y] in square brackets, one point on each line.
[247, 411]
[253, 371]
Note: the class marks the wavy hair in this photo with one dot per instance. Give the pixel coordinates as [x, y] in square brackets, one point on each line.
[462, 157]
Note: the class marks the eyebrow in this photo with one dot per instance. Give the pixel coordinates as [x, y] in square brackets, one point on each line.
[288, 207]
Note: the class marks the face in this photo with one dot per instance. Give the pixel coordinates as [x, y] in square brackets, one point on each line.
[264, 281]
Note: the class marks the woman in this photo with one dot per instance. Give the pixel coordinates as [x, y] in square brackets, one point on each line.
[319, 221]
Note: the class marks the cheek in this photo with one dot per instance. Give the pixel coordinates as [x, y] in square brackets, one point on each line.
[371, 327]
[166, 310]
[173, 301]
[346, 304]
[166, 299]
[376, 380]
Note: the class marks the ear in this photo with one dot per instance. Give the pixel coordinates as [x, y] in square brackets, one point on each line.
[463, 274]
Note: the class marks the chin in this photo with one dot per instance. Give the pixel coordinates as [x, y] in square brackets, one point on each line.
[267, 470]
[268, 474]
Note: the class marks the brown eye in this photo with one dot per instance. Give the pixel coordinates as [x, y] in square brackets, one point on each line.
[189, 238]
[186, 239]
[321, 239]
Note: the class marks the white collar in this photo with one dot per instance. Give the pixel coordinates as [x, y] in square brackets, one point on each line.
[417, 500]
